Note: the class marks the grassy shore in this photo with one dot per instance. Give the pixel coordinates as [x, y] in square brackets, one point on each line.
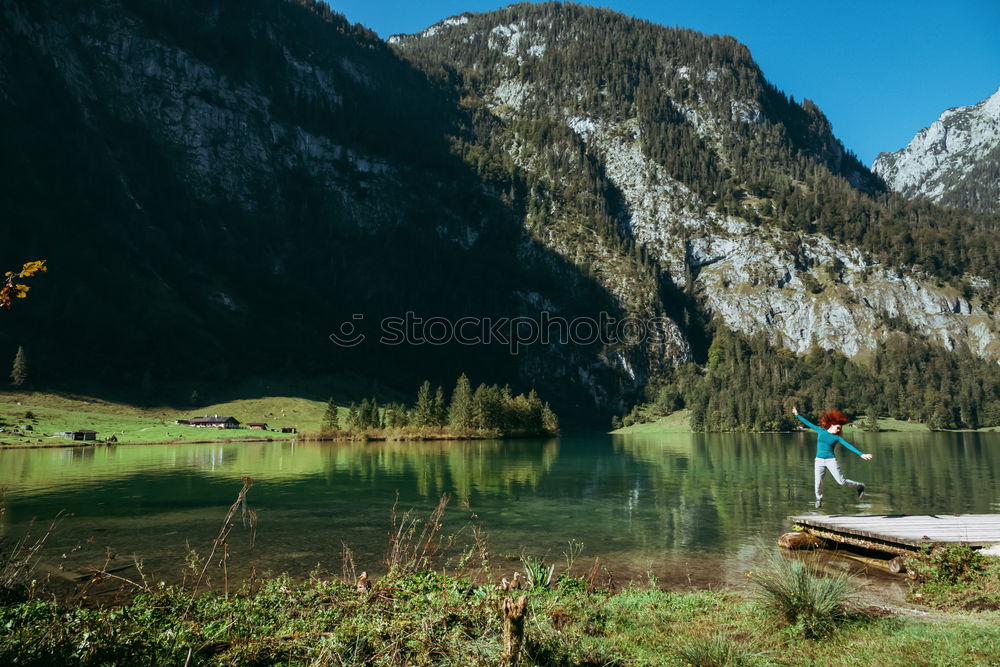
[429, 618]
[680, 422]
[49, 414]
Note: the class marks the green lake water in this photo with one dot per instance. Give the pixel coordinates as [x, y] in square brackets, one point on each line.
[692, 509]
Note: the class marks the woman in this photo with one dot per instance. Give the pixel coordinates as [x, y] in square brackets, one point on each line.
[831, 423]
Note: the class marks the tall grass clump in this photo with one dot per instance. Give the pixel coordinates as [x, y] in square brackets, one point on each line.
[718, 651]
[809, 601]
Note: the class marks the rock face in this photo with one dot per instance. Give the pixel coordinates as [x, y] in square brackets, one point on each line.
[955, 161]
[800, 290]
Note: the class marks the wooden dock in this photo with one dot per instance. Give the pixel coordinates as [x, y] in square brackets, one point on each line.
[897, 535]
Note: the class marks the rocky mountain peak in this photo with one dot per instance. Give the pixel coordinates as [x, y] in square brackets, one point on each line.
[954, 161]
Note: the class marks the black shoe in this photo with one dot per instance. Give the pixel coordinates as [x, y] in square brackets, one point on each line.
[861, 492]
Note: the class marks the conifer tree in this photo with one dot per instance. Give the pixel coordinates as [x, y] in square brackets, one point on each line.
[331, 421]
[460, 410]
[550, 422]
[364, 414]
[19, 372]
[440, 408]
[871, 421]
[423, 412]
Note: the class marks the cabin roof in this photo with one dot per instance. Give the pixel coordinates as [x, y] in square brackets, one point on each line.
[214, 419]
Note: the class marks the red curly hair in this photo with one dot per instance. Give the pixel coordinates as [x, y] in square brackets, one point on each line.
[831, 417]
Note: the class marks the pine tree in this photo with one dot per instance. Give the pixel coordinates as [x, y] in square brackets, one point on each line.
[460, 411]
[364, 414]
[193, 398]
[871, 421]
[550, 422]
[374, 415]
[19, 373]
[331, 421]
[423, 412]
[440, 408]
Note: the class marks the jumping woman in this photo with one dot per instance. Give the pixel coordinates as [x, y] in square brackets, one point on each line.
[830, 425]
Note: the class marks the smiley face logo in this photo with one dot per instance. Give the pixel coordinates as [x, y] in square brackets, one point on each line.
[348, 335]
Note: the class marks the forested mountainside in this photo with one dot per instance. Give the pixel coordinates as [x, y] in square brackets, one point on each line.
[955, 161]
[218, 185]
[756, 218]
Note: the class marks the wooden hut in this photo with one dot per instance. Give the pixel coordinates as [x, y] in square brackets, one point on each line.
[215, 421]
[81, 434]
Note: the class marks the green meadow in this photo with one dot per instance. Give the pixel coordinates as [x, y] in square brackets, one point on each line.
[49, 415]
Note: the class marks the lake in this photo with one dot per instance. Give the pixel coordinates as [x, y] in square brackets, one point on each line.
[693, 509]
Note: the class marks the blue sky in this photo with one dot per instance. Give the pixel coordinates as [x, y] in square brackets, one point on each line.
[880, 70]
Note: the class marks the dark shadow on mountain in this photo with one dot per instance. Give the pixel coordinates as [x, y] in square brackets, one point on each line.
[180, 262]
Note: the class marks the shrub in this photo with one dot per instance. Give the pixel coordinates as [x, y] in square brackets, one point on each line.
[717, 651]
[803, 597]
[949, 565]
[956, 577]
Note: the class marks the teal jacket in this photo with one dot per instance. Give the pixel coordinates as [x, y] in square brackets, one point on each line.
[826, 441]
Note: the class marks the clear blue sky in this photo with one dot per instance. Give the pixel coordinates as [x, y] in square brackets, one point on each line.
[879, 69]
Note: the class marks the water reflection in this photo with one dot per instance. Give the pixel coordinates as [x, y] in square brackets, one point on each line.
[685, 506]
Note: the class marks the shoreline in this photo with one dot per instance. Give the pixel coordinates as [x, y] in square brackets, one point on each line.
[238, 440]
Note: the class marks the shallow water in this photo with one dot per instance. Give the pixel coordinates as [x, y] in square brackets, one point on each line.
[692, 510]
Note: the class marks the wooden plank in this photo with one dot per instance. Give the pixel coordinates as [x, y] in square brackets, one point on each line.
[976, 530]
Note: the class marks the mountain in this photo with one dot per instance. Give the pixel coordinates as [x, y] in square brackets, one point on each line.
[955, 161]
[743, 197]
[218, 186]
[756, 218]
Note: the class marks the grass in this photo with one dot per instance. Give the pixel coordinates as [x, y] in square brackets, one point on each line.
[675, 422]
[429, 618]
[887, 424]
[680, 422]
[54, 413]
[812, 604]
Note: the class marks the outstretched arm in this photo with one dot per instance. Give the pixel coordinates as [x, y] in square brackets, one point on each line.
[866, 457]
[795, 411]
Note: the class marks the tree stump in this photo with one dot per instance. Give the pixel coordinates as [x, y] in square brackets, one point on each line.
[800, 540]
[513, 630]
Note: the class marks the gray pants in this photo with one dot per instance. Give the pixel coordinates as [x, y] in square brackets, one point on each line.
[822, 465]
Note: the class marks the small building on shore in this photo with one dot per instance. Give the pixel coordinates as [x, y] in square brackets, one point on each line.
[81, 434]
[288, 429]
[215, 421]
[257, 426]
